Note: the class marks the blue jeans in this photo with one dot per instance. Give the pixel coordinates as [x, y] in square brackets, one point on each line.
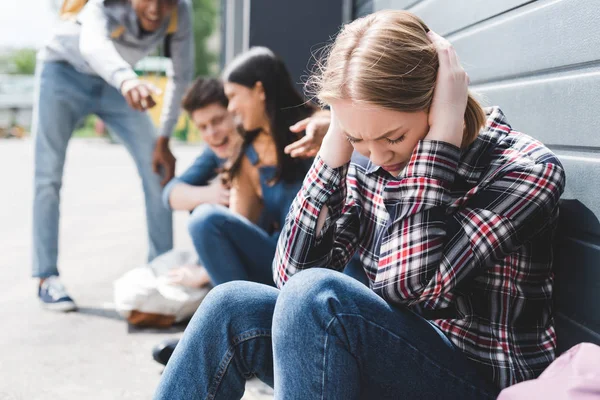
[323, 336]
[63, 98]
[231, 247]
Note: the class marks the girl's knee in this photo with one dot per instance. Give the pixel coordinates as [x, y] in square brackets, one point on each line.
[310, 297]
[206, 218]
[309, 286]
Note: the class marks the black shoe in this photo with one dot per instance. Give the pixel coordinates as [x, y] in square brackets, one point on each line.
[162, 351]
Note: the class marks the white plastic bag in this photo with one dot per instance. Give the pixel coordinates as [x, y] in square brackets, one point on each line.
[147, 289]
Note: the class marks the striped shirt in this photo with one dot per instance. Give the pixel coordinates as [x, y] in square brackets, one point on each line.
[462, 237]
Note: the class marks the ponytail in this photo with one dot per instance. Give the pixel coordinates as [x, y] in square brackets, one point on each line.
[474, 121]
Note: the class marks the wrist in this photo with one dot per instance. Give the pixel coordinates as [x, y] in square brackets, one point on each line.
[450, 133]
[334, 160]
[162, 141]
[125, 83]
[335, 155]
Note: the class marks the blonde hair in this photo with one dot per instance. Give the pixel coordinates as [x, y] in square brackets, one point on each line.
[386, 59]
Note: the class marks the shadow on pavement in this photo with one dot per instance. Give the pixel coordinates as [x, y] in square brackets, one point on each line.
[177, 328]
[114, 315]
[100, 312]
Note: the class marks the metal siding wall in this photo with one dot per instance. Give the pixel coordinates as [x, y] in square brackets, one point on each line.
[540, 62]
[295, 30]
[362, 8]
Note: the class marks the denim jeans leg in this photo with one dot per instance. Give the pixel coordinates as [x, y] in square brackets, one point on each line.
[231, 247]
[356, 270]
[138, 133]
[333, 338]
[227, 342]
[62, 99]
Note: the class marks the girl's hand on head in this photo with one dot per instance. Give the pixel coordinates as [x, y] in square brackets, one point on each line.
[447, 112]
[336, 150]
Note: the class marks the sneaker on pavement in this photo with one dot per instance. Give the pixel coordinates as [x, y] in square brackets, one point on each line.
[53, 295]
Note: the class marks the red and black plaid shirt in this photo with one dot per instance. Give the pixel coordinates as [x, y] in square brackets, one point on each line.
[461, 237]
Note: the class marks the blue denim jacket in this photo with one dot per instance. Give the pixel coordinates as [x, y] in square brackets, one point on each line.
[277, 198]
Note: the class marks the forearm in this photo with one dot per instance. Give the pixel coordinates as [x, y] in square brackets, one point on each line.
[320, 229]
[116, 71]
[171, 110]
[182, 72]
[184, 197]
[410, 257]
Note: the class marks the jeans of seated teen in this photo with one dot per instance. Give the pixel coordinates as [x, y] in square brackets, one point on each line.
[355, 270]
[64, 98]
[324, 335]
[232, 248]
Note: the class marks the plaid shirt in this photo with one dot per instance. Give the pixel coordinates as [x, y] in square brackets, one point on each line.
[461, 237]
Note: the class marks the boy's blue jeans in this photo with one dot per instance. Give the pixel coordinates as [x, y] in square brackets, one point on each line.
[63, 98]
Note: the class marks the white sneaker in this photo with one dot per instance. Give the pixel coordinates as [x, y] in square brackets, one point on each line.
[53, 296]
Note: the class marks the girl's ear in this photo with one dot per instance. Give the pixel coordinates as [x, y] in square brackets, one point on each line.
[260, 90]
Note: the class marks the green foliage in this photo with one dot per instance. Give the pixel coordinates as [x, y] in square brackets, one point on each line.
[182, 134]
[86, 128]
[205, 18]
[23, 62]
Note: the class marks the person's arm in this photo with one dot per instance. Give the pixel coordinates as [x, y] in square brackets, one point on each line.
[187, 197]
[322, 226]
[192, 188]
[245, 199]
[182, 57]
[432, 252]
[97, 47]
[315, 127]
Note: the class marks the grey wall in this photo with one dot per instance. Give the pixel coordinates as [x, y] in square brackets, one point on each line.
[235, 25]
[540, 62]
[292, 29]
[362, 7]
